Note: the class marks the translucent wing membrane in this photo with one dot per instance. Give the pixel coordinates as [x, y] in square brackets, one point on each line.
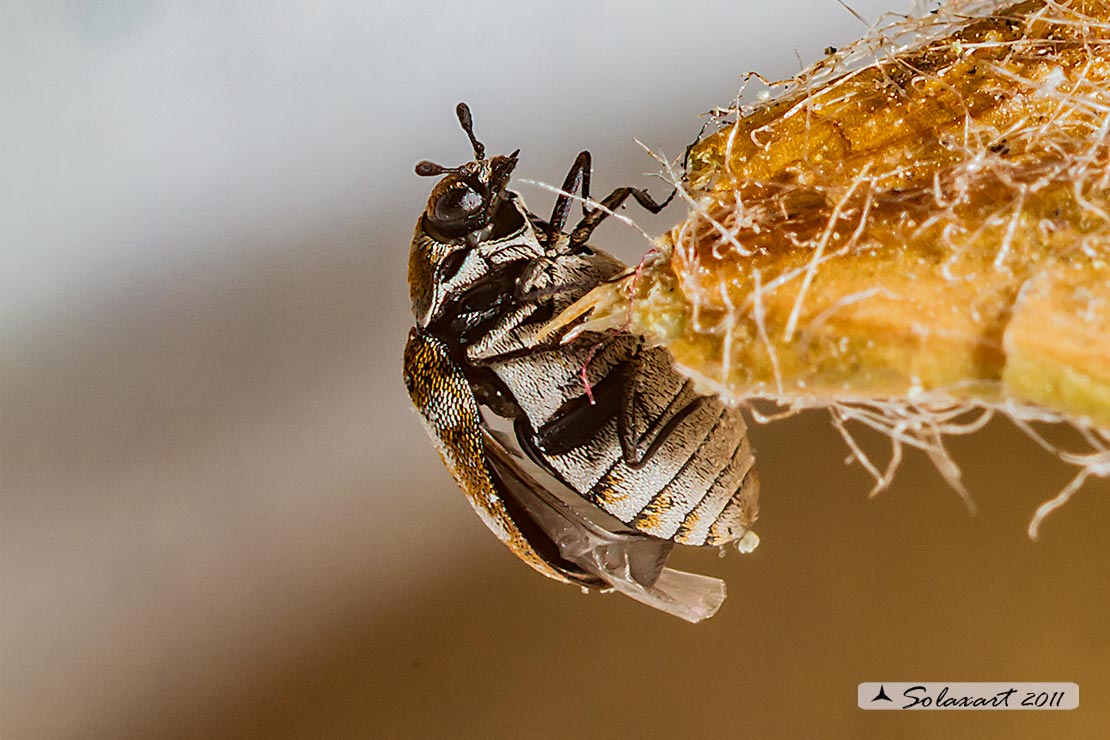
[625, 560]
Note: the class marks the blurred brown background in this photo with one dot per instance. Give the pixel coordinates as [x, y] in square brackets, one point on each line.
[220, 518]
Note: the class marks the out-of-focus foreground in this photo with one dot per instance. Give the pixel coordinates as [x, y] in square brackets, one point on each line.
[220, 518]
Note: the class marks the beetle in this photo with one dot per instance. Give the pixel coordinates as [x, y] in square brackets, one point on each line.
[588, 457]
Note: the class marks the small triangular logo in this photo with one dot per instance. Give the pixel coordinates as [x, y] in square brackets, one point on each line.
[882, 694]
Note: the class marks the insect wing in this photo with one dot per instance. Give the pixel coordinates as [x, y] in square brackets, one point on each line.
[626, 561]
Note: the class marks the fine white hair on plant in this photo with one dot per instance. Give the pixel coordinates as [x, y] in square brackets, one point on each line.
[736, 288]
[627, 220]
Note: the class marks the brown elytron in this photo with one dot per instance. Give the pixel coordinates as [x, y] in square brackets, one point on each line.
[923, 234]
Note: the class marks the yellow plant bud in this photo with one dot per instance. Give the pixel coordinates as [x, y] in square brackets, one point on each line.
[903, 240]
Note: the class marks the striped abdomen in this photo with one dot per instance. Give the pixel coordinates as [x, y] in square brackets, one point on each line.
[647, 449]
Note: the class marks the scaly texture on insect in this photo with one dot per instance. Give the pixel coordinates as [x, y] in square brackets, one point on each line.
[906, 235]
[611, 456]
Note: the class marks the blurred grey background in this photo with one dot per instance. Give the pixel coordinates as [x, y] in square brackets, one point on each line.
[220, 518]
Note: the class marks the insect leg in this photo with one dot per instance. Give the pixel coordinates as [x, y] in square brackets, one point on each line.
[688, 455]
[579, 176]
[636, 455]
[624, 394]
[579, 419]
[590, 221]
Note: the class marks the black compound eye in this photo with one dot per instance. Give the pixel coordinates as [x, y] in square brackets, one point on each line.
[458, 208]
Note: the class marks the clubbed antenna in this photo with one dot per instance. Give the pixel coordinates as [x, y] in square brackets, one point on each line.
[462, 110]
[431, 169]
